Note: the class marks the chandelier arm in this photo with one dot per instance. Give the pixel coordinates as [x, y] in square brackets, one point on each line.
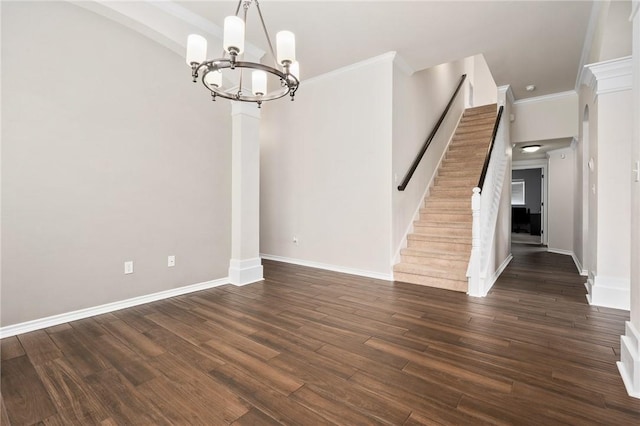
[238, 8]
[290, 82]
[266, 34]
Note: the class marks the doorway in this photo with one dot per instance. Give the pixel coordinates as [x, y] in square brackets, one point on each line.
[527, 206]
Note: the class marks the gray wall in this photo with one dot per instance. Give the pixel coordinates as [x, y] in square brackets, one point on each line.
[532, 187]
[109, 153]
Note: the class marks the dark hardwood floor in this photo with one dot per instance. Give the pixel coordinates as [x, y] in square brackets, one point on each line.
[311, 347]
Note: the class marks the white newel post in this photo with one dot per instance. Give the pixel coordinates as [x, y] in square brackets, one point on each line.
[245, 266]
[474, 279]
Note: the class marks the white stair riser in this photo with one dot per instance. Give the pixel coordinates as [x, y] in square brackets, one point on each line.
[442, 231]
[440, 245]
[436, 262]
[432, 282]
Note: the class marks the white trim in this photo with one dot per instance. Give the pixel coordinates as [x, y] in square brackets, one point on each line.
[581, 269]
[635, 6]
[629, 364]
[385, 57]
[539, 163]
[164, 22]
[488, 284]
[328, 267]
[559, 251]
[536, 163]
[575, 259]
[545, 98]
[594, 17]
[610, 292]
[245, 271]
[402, 64]
[609, 76]
[38, 324]
[506, 89]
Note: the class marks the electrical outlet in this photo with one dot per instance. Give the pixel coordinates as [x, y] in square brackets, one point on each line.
[128, 267]
[171, 261]
[295, 240]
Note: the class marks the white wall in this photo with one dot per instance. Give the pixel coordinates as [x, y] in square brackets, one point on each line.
[545, 117]
[485, 91]
[418, 102]
[325, 170]
[560, 200]
[109, 153]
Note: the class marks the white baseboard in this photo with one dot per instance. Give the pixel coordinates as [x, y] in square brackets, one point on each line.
[609, 292]
[581, 270]
[494, 277]
[245, 271]
[559, 251]
[38, 324]
[629, 364]
[328, 267]
[579, 267]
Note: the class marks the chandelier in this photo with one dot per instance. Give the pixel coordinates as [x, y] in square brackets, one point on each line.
[284, 74]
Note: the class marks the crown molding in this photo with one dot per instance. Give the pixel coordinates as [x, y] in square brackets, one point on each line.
[164, 22]
[588, 40]
[385, 57]
[609, 76]
[402, 64]
[508, 93]
[545, 98]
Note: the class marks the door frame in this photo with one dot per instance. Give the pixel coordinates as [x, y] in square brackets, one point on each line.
[543, 164]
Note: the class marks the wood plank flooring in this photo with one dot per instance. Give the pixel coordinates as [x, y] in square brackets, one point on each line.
[311, 347]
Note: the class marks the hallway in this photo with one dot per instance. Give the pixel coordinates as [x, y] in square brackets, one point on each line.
[309, 346]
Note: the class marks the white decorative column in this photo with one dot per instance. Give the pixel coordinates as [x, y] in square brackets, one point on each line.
[245, 266]
[629, 364]
[608, 283]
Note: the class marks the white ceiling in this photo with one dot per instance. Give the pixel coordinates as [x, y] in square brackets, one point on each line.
[524, 42]
[545, 146]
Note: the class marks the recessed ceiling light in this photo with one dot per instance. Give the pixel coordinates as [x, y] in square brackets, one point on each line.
[531, 88]
[530, 148]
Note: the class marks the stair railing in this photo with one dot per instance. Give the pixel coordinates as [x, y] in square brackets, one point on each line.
[424, 148]
[485, 203]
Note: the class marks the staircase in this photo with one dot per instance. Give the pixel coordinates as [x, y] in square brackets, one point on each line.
[438, 250]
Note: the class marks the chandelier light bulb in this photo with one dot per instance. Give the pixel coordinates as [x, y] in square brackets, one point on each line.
[233, 40]
[196, 49]
[294, 69]
[259, 82]
[214, 78]
[286, 45]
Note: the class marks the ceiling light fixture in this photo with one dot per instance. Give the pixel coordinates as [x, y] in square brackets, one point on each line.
[531, 148]
[285, 69]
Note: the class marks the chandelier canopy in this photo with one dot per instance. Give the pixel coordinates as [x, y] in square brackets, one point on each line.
[214, 72]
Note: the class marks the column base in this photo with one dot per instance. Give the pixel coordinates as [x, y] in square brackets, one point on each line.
[629, 364]
[245, 271]
[609, 292]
